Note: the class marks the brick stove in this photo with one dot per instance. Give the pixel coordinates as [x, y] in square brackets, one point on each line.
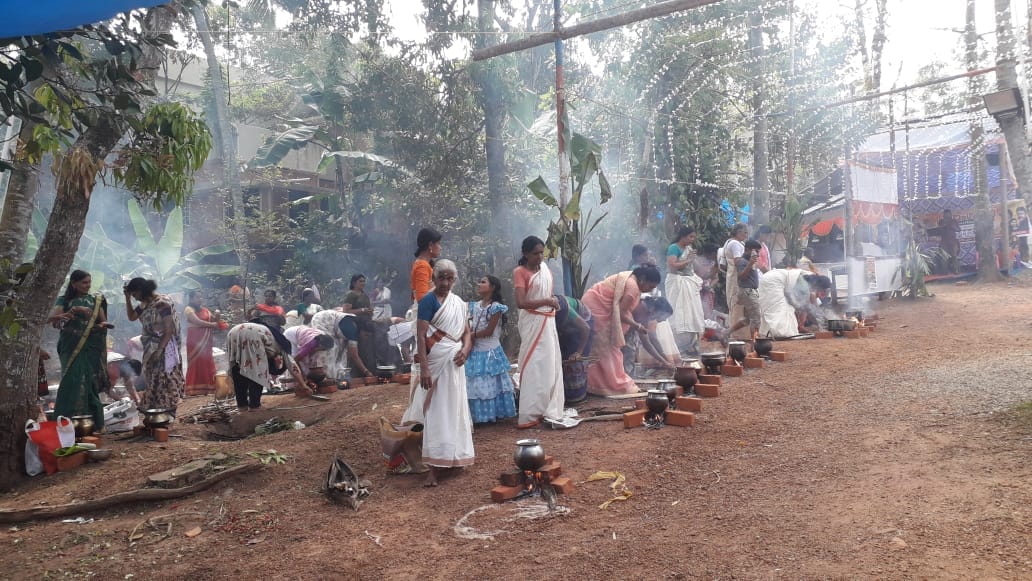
[546, 481]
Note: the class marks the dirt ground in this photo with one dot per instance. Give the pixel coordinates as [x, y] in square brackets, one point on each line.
[886, 457]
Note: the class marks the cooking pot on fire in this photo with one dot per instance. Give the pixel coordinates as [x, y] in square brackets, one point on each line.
[155, 418]
[840, 325]
[656, 401]
[529, 454]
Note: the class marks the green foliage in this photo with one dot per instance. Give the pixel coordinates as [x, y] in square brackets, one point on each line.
[569, 234]
[10, 282]
[913, 269]
[790, 225]
[167, 146]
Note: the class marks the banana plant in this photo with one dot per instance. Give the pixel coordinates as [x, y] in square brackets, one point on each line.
[790, 226]
[569, 234]
[164, 258]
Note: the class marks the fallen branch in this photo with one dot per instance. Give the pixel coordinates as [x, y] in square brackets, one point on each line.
[141, 495]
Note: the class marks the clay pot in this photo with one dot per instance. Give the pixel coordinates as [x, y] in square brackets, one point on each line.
[686, 377]
[763, 346]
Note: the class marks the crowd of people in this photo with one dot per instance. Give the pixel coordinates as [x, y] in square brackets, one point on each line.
[461, 375]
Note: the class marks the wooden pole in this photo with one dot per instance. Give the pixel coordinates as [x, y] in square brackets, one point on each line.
[560, 120]
[654, 11]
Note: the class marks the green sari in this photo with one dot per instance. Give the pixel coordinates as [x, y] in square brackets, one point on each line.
[83, 368]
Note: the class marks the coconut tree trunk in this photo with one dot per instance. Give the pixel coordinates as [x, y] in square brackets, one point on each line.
[36, 295]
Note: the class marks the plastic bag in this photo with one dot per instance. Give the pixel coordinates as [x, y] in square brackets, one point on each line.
[43, 439]
[402, 447]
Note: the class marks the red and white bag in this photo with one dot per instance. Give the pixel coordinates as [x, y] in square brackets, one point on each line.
[43, 439]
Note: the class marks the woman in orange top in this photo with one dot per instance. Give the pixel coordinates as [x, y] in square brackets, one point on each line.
[428, 247]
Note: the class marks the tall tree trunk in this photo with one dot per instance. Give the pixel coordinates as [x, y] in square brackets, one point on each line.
[761, 182]
[1007, 78]
[16, 216]
[492, 101]
[19, 354]
[984, 238]
[226, 137]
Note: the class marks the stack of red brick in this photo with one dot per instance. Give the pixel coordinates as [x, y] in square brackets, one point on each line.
[512, 484]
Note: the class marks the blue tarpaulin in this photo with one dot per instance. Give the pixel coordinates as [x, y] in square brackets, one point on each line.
[23, 18]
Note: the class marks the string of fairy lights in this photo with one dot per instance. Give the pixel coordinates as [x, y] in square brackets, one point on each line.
[812, 127]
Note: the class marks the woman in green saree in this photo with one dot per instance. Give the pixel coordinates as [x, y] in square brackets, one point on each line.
[82, 349]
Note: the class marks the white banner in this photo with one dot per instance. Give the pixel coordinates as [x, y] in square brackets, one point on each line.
[873, 184]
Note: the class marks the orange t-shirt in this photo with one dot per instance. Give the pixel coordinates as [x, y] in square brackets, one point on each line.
[521, 277]
[421, 278]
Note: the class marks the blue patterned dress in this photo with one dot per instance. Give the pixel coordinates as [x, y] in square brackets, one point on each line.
[488, 385]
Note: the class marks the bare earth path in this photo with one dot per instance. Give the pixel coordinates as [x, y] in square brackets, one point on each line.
[886, 457]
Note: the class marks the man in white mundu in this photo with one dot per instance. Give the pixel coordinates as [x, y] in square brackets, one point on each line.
[541, 364]
[443, 343]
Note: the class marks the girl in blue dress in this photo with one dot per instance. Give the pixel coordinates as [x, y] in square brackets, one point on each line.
[488, 385]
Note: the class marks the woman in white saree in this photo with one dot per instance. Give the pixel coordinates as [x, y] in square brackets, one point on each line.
[683, 288]
[443, 343]
[541, 364]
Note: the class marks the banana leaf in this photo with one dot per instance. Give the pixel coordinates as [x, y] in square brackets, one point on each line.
[330, 158]
[276, 147]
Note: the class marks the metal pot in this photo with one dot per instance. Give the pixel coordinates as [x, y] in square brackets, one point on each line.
[83, 426]
[529, 454]
[157, 418]
[858, 315]
[656, 401]
[763, 346]
[737, 350]
[385, 372]
[670, 387]
[713, 361]
[840, 325]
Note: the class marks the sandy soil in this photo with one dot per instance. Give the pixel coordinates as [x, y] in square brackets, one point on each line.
[886, 457]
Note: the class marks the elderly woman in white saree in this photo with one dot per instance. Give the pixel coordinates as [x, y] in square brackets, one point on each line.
[683, 290]
[541, 363]
[443, 343]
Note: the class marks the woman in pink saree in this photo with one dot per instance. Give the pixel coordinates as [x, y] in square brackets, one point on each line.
[612, 304]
